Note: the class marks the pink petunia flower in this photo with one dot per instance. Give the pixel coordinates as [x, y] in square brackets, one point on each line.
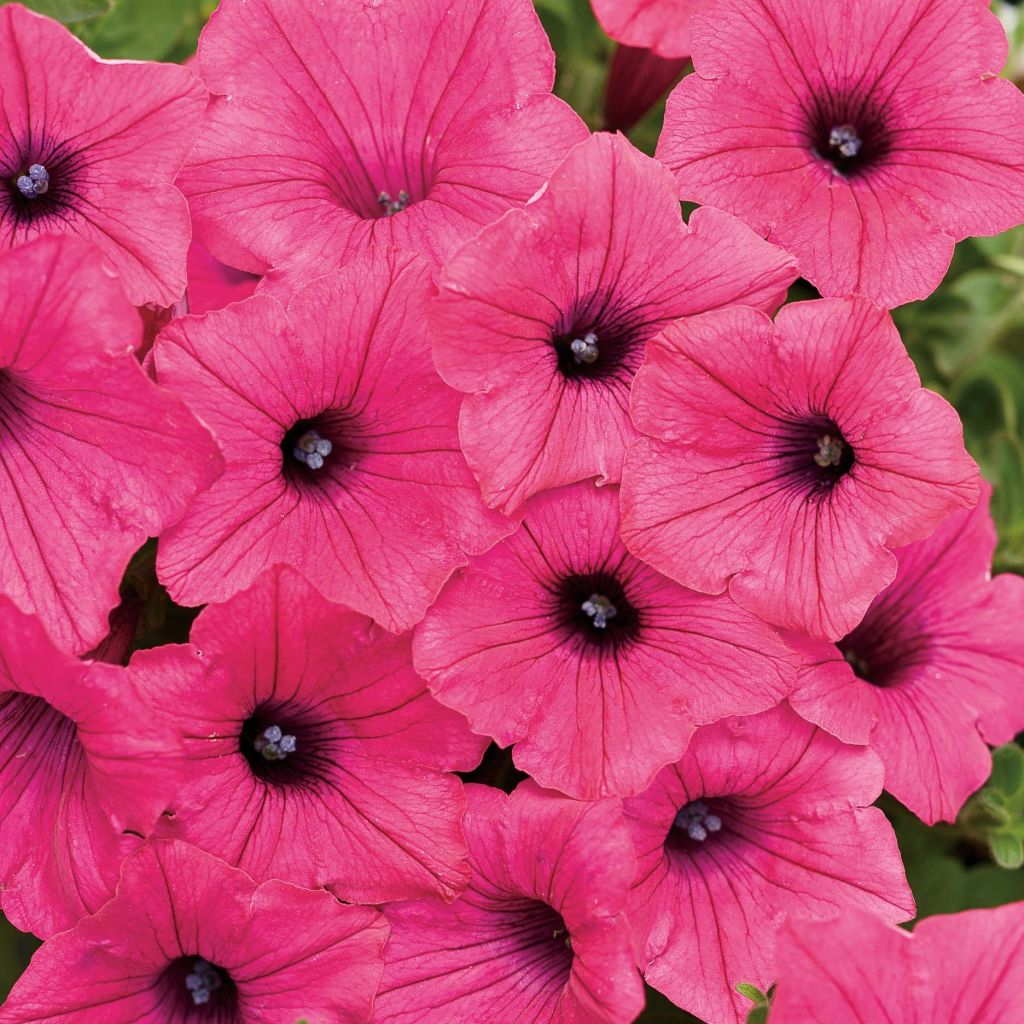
[405, 122]
[933, 673]
[539, 937]
[542, 318]
[864, 137]
[91, 147]
[85, 772]
[341, 446]
[763, 819]
[94, 458]
[214, 285]
[786, 460]
[596, 666]
[189, 939]
[958, 969]
[315, 753]
[662, 26]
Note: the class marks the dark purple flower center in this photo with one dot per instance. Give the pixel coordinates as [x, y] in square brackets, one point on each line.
[37, 182]
[543, 931]
[697, 823]
[287, 745]
[888, 644]
[596, 608]
[199, 992]
[849, 131]
[600, 341]
[813, 455]
[318, 450]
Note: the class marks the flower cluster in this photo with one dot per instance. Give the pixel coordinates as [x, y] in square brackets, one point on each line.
[459, 444]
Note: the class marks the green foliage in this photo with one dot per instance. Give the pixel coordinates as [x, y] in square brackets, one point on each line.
[70, 12]
[994, 816]
[148, 29]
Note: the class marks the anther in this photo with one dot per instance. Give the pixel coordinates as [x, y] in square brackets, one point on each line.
[312, 449]
[830, 451]
[600, 609]
[34, 184]
[697, 821]
[584, 350]
[392, 206]
[273, 745]
[204, 980]
[844, 137]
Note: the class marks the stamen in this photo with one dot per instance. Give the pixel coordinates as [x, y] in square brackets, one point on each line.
[600, 609]
[830, 451]
[844, 137]
[584, 350]
[34, 184]
[563, 933]
[204, 980]
[697, 821]
[393, 206]
[312, 449]
[273, 745]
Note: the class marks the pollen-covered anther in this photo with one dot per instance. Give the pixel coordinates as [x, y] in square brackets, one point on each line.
[600, 609]
[392, 206]
[35, 183]
[697, 821]
[312, 449]
[845, 139]
[273, 745]
[204, 980]
[584, 350]
[830, 451]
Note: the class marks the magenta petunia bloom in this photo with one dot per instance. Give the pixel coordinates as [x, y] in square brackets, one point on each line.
[864, 137]
[341, 446]
[542, 318]
[85, 772]
[765, 818]
[408, 123]
[954, 969]
[539, 936]
[214, 285]
[189, 939]
[592, 663]
[662, 26]
[91, 147]
[315, 753]
[786, 460]
[933, 673]
[94, 458]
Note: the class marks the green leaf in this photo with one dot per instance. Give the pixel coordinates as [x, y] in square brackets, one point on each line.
[751, 992]
[70, 12]
[1007, 849]
[1007, 769]
[139, 29]
[758, 1015]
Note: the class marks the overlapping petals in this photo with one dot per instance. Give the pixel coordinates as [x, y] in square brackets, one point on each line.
[786, 461]
[764, 818]
[602, 261]
[539, 935]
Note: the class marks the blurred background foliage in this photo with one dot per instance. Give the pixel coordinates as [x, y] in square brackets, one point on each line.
[967, 341]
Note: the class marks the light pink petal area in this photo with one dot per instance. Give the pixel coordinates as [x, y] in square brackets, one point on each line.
[112, 135]
[175, 905]
[94, 458]
[961, 968]
[214, 285]
[601, 251]
[795, 839]
[941, 669]
[728, 491]
[393, 510]
[86, 772]
[659, 25]
[538, 937]
[366, 798]
[333, 127]
[593, 711]
[940, 137]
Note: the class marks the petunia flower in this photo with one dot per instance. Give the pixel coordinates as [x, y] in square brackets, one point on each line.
[593, 664]
[543, 316]
[341, 446]
[933, 673]
[188, 939]
[408, 123]
[314, 752]
[94, 458]
[86, 771]
[956, 968]
[786, 460]
[539, 936]
[91, 147]
[764, 818]
[864, 137]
